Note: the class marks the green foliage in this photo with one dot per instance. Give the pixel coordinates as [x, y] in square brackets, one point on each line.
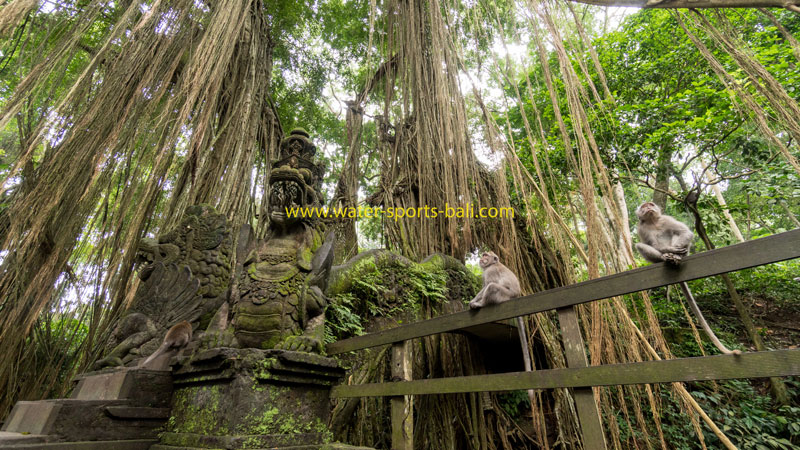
[515, 403]
[382, 286]
[748, 417]
[774, 282]
[745, 414]
[340, 320]
[770, 288]
[55, 347]
[670, 114]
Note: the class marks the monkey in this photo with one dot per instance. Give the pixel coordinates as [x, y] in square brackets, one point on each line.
[499, 283]
[176, 338]
[664, 239]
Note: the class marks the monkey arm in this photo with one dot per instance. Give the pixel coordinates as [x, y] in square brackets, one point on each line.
[478, 299]
[681, 236]
[492, 294]
[681, 242]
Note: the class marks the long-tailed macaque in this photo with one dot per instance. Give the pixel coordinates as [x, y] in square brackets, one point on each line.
[176, 338]
[664, 239]
[499, 283]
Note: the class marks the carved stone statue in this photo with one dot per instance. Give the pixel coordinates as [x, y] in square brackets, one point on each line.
[278, 302]
[247, 377]
[275, 300]
[186, 276]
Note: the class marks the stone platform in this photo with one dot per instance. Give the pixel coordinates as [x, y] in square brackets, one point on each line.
[120, 409]
[218, 399]
[251, 399]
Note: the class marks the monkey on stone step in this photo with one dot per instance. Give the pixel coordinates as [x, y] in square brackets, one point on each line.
[499, 283]
[664, 239]
[176, 338]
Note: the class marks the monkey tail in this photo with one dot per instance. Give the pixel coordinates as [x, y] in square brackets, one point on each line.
[164, 346]
[696, 310]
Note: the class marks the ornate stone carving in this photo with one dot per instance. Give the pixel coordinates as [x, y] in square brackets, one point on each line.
[278, 302]
[186, 276]
[270, 392]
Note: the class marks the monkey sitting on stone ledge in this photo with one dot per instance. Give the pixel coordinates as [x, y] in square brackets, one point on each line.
[176, 338]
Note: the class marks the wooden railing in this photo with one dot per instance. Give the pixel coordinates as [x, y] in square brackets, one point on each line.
[579, 375]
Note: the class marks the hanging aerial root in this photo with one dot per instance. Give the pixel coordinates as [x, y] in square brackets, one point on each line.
[709, 332]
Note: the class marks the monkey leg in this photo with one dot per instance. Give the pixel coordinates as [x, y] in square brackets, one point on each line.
[651, 254]
[478, 302]
[497, 293]
[696, 310]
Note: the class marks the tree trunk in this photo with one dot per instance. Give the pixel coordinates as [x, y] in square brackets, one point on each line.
[345, 194]
[721, 200]
[662, 177]
[789, 213]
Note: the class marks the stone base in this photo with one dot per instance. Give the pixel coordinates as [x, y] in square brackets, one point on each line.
[249, 399]
[131, 444]
[126, 406]
[332, 446]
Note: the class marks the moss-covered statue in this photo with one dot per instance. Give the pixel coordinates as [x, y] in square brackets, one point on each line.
[273, 297]
[277, 300]
[185, 275]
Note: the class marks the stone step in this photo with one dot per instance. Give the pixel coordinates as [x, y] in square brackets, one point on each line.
[32, 417]
[191, 440]
[137, 412]
[142, 387]
[332, 446]
[126, 444]
[86, 420]
[10, 438]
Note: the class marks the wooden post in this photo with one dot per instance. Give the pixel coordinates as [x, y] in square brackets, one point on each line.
[402, 406]
[588, 414]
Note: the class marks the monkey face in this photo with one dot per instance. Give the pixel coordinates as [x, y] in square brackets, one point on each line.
[487, 259]
[648, 210]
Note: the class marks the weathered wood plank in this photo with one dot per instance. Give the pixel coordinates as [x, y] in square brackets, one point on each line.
[776, 363]
[402, 406]
[588, 415]
[758, 252]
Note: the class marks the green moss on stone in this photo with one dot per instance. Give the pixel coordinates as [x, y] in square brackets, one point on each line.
[198, 411]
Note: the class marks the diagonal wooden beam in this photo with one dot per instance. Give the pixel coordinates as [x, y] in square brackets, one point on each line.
[758, 252]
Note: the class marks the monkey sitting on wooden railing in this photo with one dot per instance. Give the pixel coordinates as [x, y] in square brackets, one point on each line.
[665, 239]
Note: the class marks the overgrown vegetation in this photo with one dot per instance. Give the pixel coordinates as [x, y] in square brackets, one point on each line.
[384, 285]
[115, 116]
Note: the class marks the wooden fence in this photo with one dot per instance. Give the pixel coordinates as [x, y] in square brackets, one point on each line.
[579, 375]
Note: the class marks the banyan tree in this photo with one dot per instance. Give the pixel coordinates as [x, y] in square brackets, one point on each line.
[119, 117]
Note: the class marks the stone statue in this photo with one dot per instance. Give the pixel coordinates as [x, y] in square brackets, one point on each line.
[186, 276]
[272, 299]
[256, 312]
[277, 301]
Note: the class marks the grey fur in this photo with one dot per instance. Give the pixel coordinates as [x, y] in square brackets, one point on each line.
[499, 283]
